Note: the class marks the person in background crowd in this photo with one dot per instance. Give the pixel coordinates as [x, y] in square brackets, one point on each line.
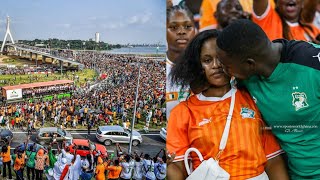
[100, 169]
[148, 167]
[137, 168]
[42, 160]
[180, 30]
[114, 170]
[87, 167]
[6, 159]
[31, 155]
[286, 20]
[127, 166]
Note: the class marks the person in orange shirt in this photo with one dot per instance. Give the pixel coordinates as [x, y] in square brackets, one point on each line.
[199, 122]
[284, 21]
[19, 162]
[209, 7]
[99, 174]
[6, 159]
[114, 170]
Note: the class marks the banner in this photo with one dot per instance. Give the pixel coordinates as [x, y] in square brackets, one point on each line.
[14, 94]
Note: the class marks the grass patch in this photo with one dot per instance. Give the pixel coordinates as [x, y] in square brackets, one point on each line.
[86, 74]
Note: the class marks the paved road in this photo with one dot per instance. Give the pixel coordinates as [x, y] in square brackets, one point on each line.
[152, 143]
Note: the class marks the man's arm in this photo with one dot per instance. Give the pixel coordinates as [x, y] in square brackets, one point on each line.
[260, 6]
[276, 169]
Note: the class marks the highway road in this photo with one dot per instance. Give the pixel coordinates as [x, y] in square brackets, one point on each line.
[152, 142]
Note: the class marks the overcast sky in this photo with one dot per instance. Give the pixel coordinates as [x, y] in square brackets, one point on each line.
[117, 21]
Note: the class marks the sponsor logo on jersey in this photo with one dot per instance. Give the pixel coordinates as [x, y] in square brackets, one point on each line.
[317, 56]
[205, 121]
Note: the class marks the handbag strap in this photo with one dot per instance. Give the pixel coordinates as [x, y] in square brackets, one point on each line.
[223, 141]
[225, 135]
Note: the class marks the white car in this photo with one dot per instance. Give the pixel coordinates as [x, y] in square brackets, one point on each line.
[163, 133]
[117, 134]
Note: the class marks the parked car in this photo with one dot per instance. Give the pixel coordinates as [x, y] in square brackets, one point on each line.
[84, 148]
[163, 133]
[5, 136]
[46, 135]
[117, 134]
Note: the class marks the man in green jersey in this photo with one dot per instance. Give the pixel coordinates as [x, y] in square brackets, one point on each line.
[283, 78]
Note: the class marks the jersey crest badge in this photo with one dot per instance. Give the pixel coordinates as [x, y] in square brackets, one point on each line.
[247, 113]
[299, 100]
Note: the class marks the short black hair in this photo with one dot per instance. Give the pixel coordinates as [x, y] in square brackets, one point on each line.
[242, 38]
[188, 70]
[173, 9]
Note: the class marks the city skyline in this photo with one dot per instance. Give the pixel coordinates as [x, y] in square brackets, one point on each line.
[142, 23]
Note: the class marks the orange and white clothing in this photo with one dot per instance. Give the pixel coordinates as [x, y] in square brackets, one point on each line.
[174, 93]
[270, 22]
[199, 122]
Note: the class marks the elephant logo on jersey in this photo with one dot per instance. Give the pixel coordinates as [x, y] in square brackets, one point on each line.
[247, 113]
[299, 100]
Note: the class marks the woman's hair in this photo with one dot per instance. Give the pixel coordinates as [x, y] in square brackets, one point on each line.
[173, 9]
[188, 70]
[286, 29]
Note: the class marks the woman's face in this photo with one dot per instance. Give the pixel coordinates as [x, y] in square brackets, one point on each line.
[212, 67]
[290, 9]
[180, 30]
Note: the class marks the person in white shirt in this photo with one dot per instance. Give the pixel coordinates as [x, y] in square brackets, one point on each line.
[127, 167]
[137, 169]
[148, 167]
[160, 168]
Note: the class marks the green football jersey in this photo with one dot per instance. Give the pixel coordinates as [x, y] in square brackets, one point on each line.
[289, 101]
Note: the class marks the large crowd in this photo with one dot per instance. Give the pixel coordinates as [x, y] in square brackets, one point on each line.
[37, 162]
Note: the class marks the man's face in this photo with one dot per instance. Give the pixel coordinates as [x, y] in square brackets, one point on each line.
[290, 9]
[234, 67]
[229, 11]
[180, 30]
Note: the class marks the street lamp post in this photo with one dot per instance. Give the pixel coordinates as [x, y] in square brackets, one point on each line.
[134, 112]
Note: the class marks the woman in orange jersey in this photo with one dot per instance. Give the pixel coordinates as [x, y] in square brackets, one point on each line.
[285, 21]
[251, 151]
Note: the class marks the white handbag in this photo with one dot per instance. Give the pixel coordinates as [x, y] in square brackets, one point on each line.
[209, 169]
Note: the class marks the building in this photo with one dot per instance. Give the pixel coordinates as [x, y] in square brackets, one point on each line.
[97, 37]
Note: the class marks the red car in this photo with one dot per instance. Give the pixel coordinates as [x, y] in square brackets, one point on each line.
[84, 149]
